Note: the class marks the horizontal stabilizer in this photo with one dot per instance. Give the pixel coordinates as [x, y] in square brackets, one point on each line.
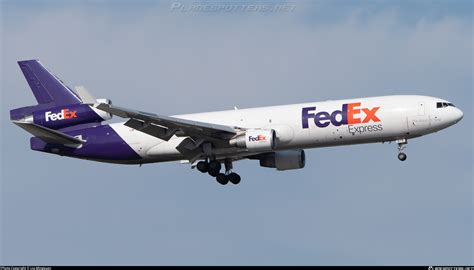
[48, 135]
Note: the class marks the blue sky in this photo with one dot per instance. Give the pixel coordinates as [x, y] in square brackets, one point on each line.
[349, 205]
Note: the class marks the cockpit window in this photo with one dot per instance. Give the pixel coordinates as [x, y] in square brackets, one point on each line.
[444, 104]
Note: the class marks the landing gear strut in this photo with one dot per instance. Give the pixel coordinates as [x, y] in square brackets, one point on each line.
[214, 167]
[402, 146]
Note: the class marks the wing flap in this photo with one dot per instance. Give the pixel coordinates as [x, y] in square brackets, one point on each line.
[48, 135]
[150, 129]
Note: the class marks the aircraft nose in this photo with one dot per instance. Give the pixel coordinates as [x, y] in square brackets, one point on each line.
[458, 115]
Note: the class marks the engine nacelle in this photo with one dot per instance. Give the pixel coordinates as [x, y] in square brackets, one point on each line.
[256, 140]
[104, 100]
[284, 160]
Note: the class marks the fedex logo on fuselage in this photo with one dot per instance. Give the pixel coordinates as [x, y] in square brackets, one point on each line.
[258, 138]
[351, 114]
[63, 114]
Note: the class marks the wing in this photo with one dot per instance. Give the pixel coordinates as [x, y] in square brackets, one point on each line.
[164, 127]
[48, 135]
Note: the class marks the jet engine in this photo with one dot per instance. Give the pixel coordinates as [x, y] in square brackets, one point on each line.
[284, 160]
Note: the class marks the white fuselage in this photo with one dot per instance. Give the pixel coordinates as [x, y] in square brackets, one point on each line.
[315, 124]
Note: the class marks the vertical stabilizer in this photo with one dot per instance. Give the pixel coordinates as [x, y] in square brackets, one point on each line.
[48, 89]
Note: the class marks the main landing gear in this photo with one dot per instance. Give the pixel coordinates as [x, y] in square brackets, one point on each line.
[402, 146]
[214, 167]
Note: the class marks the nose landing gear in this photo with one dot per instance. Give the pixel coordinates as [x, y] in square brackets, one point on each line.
[402, 156]
[402, 146]
[214, 167]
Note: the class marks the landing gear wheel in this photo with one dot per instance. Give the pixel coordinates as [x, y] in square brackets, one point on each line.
[401, 146]
[234, 178]
[222, 179]
[402, 156]
[215, 166]
[202, 166]
[213, 172]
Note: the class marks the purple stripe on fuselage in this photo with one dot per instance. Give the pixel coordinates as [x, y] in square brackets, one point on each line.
[102, 143]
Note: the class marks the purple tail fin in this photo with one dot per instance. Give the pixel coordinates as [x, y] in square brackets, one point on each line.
[48, 89]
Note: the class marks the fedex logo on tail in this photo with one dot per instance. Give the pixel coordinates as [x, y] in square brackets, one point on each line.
[350, 114]
[63, 114]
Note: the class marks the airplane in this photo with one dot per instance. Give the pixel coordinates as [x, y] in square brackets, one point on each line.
[71, 123]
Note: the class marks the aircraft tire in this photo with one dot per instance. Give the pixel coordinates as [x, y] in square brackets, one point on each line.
[215, 165]
[222, 179]
[402, 156]
[234, 178]
[213, 172]
[202, 166]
